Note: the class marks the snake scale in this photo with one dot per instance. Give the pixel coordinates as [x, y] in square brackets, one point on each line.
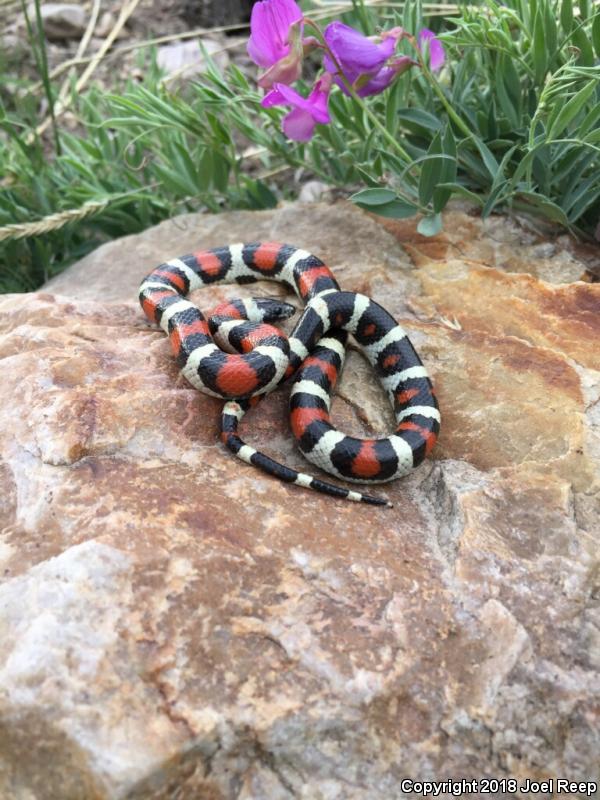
[236, 355]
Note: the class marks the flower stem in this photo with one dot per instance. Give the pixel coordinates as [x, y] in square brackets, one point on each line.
[352, 92]
[437, 89]
[371, 116]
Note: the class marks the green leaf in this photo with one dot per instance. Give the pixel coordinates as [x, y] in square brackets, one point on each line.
[581, 191]
[512, 80]
[487, 156]
[500, 39]
[419, 118]
[569, 111]
[544, 206]
[486, 123]
[430, 226]
[373, 197]
[367, 176]
[474, 167]
[431, 170]
[462, 191]
[173, 180]
[590, 120]
[499, 184]
[533, 8]
[79, 166]
[584, 8]
[525, 164]
[491, 125]
[538, 48]
[221, 133]
[596, 33]
[238, 77]
[391, 108]
[508, 91]
[260, 194]
[205, 169]
[186, 165]
[493, 198]
[550, 28]
[384, 203]
[397, 209]
[581, 41]
[585, 201]
[378, 165]
[593, 137]
[540, 173]
[569, 165]
[447, 172]
[566, 15]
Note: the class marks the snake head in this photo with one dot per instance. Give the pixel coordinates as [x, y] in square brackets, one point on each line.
[273, 309]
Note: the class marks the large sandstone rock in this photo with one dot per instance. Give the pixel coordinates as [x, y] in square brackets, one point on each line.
[175, 624]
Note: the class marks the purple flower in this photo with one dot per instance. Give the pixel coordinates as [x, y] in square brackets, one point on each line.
[276, 40]
[364, 62]
[300, 123]
[436, 48]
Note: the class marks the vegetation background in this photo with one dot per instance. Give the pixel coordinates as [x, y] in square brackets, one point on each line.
[90, 152]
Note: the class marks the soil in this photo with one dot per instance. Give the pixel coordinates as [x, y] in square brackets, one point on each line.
[151, 19]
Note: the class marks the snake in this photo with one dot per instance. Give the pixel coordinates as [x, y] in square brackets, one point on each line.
[235, 354]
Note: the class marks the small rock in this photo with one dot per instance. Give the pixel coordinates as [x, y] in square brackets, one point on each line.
[208, 13]
[105, 24]
[61, 20]
[185, 59]
[12, 46]
[313, 191]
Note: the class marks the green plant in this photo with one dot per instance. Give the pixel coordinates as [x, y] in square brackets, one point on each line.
[115, 176]
[38, 47]
[513, 122]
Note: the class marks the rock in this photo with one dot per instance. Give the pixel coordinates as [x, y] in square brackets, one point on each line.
[12, 47]
[62, 20]
[106, 22]
[313, 191]
[211, 13]
[186, 59]
[176, 624]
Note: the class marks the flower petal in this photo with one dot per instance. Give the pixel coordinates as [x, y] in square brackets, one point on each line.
[283, 14]
[298, 125]
[270, 24]
[437, 55]
[263, 48]
[291, 96]
[319, 99]
[355, 52]
[273, 98]
[286, 70]
[378, 83]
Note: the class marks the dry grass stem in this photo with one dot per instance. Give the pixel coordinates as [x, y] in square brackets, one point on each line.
[51, 222]
[126, 12]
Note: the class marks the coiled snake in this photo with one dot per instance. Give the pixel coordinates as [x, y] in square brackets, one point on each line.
[261, 357]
